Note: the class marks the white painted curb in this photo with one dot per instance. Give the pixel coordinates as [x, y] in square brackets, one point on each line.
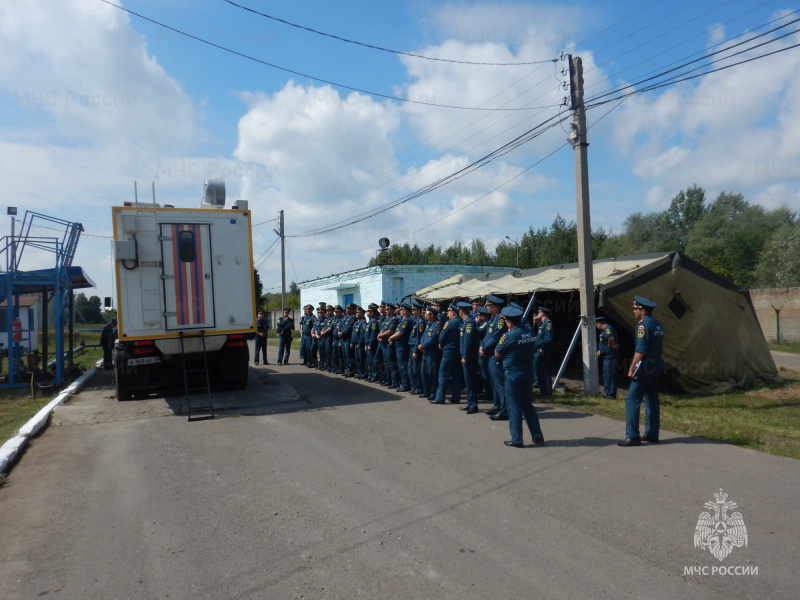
[10, 450]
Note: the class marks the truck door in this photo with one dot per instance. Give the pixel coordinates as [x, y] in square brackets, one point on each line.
[187, 276]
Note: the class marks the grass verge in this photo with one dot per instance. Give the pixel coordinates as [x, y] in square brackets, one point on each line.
[766, 418]
[786, 346]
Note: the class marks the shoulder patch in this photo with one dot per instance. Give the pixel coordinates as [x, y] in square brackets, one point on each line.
[608, 331]
[549, 326]
[640, 332]
[469, 328]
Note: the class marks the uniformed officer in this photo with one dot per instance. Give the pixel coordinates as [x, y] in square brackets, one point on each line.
[371, 343]
[414, 339]
[388, 328]
[338, 353]
[285, 327]
[484, 381]
[644, 372]
[450, 364]
[399, 340]
[516, 348]
[316, 341]
[431, 355]
[469, 342]
[306, 325]
[608, 352]
[261, 337]
[327, 337]
[345, 333]
[495, 330]
[357, 343]
[544, 351]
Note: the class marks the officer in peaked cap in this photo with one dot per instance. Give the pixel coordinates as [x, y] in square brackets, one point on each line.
[516, 349]
[346, 332]
[428, 347]
[389, 377]
[450, 364]
[371, 344]
[357, 343]
[644, 372]
[306, 325]
[608, 353]
[468, 344]
[494, 331]
[544, 351]
[399, 340]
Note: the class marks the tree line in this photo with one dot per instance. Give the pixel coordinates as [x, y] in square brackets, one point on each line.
[748, 244]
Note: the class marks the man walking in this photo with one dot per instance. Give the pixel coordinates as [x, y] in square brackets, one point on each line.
[261, 338]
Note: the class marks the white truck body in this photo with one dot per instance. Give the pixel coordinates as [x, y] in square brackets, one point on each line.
[181, 272]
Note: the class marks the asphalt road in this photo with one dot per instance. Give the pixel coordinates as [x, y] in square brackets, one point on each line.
[313, 486]
[786, 359]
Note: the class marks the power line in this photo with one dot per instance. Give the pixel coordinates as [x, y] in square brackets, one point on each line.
[293, 72]
[349, 41]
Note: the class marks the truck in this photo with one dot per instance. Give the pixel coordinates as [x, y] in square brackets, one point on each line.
[185, 294]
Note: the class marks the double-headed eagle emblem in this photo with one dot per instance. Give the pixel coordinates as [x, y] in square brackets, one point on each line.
[720, 533]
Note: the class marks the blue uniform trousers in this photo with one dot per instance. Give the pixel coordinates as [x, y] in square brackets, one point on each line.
[609, 377]
[519, 394]
[261, 346]
[390, 364]
[430, 372]
[485, 377]
[413, 370]
[470, 374]
[541, 363]
[305, 348]
[645, 388]
[449, 376]
[284, 348]
[350, 358]
[498, 386]
[372, 360]
[401, 353]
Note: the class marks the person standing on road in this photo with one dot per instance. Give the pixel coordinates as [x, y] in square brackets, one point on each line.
[644, 372]
[495, 330]
[284, 328]
[107, 340]
[261, 338]
[450, 364]
[544, 350]
[469, 342]
[515, 349]
[306, 326]
[608, 352]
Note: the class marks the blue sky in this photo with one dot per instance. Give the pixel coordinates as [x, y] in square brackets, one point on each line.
[93, 98]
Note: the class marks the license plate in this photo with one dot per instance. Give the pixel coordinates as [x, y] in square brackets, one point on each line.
[145, 360]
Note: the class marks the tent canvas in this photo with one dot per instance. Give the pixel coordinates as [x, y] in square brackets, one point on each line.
[713, 341]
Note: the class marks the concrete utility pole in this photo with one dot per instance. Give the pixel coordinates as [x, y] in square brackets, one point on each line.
[577, 138]
[283, 261]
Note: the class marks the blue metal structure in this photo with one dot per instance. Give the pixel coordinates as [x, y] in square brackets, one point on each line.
[56, 282]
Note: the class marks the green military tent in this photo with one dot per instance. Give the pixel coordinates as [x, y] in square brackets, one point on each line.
[713, 341]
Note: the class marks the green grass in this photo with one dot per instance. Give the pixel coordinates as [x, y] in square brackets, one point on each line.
[786, 346]
[766, 419]
[17, 405]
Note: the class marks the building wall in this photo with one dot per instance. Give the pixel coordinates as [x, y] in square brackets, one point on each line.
[387, 282]
[765, 301]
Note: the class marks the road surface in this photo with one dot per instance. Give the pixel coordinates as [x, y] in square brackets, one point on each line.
[313, 486]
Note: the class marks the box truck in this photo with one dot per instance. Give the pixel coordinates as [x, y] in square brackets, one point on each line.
[185, 295]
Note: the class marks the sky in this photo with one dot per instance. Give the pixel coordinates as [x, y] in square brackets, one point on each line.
[94, 98]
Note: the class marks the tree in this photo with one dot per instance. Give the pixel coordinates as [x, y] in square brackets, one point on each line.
[88, 311]
[686, 209]
[259, 289]
[779, 262]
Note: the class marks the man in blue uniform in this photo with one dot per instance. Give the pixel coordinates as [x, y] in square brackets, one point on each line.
[484, 381]
[327, 337]
[495, 330]
[516, 349]
[415, 357]
[431, 356]
[388, 328]
[306, 325]
[644, 372]
[608, 352]
[285, 327]
[399, 340]
[317, 350]
[261, 337]
[469, 342]
[544, 350]
[345, 333]
[371, 341]
[450, 365]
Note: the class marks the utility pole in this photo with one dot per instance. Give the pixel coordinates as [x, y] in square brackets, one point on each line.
[577, 138]
[283, 261]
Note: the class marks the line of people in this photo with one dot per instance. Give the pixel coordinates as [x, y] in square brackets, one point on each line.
[438, 351]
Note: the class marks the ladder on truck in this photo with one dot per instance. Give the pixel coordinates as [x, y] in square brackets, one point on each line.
[191, 388]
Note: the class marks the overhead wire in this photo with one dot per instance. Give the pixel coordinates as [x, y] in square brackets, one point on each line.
[312, 77]
[400, 52]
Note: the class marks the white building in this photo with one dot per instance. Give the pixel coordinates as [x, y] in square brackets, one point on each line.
[383, 282]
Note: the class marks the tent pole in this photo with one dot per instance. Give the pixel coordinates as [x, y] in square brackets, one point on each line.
[572, 343]
[530, 307]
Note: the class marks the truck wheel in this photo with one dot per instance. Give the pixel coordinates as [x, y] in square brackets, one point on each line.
[123, 393]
